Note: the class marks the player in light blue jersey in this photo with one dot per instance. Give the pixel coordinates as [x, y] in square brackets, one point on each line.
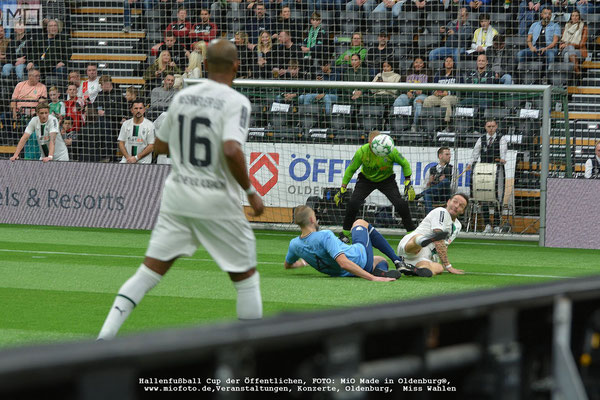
[323, 251]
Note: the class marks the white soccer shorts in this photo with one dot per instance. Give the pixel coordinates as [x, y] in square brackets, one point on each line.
[424, 255]
[230, 243]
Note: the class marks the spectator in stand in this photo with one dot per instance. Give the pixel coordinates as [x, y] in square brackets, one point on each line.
[387, 75]
[389, 10]
[316, 43]
[205, 30]
[592, 165]
[258, 23]
[75, 79]
[161, 97]
[18, 53]
[160, 68]
[56, 9]
[535, 41]
[573, 41]
[286, 51]
[481, 75]
[418, 74]
[444, 98]
[285, 22]
[181, 27]
[67, 132]
[90, 88]
[356, 47]
[355, 72]
[246, 55]
[179, 54]
[110, 105]
[293, 72]
[196, 64]
[4, 43]
[52, 52]
[528, 10]
[423, 7]
[264, 56]
[483, 36]
[328, 96]
[481, 6]
[501, 60]
[127, 4]
[57, 107]
[73, 107]
[357, 5]
[377, 55]
[457, 35]
[26, 95]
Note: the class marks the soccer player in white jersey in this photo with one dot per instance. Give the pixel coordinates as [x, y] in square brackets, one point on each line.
[204, 130]
[136, 139]
[425, 247]
[47, 131]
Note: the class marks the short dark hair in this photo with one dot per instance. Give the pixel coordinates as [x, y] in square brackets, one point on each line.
[464, 196]
[138, 101]
[442, 149]
[484, 16]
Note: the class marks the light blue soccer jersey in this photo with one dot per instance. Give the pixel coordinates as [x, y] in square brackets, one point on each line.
[319, 250]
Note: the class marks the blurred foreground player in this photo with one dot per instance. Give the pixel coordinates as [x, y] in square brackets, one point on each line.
[204, 130]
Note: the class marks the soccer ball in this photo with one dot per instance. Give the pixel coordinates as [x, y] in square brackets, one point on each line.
[382, 145]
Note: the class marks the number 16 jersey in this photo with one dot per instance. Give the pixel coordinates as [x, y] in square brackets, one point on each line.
[199, 120]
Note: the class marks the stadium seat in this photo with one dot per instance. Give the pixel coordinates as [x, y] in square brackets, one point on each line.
[371, 117]
[341, 125]
[530, 72]
[309, 116]
[431, 119]
[257, 117]
[408, 20]
[496, 113]
[560, 73]
[349, 22]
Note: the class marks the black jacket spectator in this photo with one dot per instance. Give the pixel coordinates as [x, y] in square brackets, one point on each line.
[50, 49]
[257, 23]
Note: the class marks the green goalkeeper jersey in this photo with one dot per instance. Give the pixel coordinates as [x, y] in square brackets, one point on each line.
[375, 168]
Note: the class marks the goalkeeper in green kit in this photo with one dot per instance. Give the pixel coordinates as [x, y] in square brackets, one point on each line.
[377, 174]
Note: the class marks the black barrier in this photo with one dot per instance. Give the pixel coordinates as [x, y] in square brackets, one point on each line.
[509, 343]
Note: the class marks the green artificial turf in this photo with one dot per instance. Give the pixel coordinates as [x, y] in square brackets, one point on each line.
[58, 283]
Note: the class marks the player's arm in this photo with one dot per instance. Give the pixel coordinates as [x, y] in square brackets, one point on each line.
[442, 252]
[160, 147]
[236, 161]
[147, 150]
[51, 147]
[352, 168]
[355, 270]
[298, 264]
[20, 146]
[403, 162]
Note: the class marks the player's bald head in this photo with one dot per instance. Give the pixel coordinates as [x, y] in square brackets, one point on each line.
[302, 216]
[221, 56]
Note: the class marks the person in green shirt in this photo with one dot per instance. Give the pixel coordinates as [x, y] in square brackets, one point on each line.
[377, 173]
[356, 47]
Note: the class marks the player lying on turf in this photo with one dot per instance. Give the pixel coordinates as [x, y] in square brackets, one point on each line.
[425, 246]
[326, 253]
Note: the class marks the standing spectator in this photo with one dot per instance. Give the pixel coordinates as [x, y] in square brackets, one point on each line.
[110, 106]
[246, 55]
[382, 52]
[355, 72]
[205, 30]
[285, 22]
[328, 96]
[178, 53]
[573, 41]
[75, 79]
[161, 97]
[90, 88]
[264, 56]
[483, 36]
[528, 9]
[444, 98]
[67, 132]
[258, 23]
[316, 43]
[356, 47]
[181, 27]
[160, 68]
[592, 166]
[136, 140]
[26, 95]
[418, 74]
[74, 107]
[57, 107]
[386, 75]
[457, 35]
[52, 53]
[542, 39]
[501, 60]
[19, 53]
[287, 51]
[437, 180]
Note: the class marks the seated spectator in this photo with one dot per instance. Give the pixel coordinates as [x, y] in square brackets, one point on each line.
[483, 37]
[205, 30]
[285, 22]
[19, 53]
[501, 60]
[57, 107]
[423, 7]
[161, 97]
[327, 96]
[545, 47]
[52, 52]
[196, 64]
[356, 47]
[528, 10]
[457, 35]
[258, 23]
[246, 55]
[265, 56]
[178, 52]
[160, 68]
[361, 5]
[286, 51]
[293, 72]
[418, 74]
[316, 43]
[355, 72]
[74, 108]
[481, 75]
[573, 41]
[480, 6]
[26, 95]
[90, 88]
[382, 52]
[444, 98]
[386, 75]
[387, 6]
[181, 27]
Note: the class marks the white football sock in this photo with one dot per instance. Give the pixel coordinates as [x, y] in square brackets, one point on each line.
[130, 295]
[249, 302]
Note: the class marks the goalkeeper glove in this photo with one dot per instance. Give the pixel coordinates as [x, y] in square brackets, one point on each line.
[409, 190]
[338, 196]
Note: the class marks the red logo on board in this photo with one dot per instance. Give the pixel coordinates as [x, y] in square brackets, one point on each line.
[268, 160]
